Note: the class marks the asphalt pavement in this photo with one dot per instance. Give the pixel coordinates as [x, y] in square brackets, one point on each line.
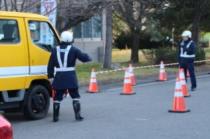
[109, 115]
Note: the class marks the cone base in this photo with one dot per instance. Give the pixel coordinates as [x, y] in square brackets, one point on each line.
[128, 93]
[188, 96]
[173, 111]
[161, 80]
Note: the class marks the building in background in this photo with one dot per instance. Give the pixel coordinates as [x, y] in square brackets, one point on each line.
[89, 37]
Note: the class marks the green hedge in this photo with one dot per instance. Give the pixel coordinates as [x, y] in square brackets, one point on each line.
[168, 55]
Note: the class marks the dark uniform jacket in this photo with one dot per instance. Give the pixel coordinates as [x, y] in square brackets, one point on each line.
[186, 51]
[65, 79]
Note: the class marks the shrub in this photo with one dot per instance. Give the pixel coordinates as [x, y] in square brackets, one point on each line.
[200, 54]
[124, 40]
[167, 54]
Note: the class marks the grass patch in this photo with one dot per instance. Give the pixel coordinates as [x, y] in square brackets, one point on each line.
[84, 70]
[123, 56]
[207, 51]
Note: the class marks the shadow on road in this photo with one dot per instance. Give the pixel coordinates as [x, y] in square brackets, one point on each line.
[19, 117]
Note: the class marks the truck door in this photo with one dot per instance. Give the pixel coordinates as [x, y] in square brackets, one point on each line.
[13, 54]
[42, 39]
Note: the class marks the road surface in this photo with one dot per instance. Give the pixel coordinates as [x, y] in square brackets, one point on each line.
[109, 115]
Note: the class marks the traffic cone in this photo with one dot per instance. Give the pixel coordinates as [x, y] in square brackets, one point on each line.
[132, 75]
[183, 83]
[127, 87]
[179, 105]
[53, 94]
[93, 86]
[162, 74]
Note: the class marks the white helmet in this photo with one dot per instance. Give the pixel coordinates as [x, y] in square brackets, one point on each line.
[187, 33]
[67, 36]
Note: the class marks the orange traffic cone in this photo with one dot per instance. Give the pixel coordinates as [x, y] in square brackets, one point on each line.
[183, 83]
[93, 86]
[162, 74]
[179, 105]
[53, 94]
[127, 87]
[132, 75]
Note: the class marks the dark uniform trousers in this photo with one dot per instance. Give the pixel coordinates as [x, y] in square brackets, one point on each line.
[186, 60]
[189, 66]
[60, 94]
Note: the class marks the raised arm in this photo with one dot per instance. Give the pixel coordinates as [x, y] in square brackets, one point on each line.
[83, 56]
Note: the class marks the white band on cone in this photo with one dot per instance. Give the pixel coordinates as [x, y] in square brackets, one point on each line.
[93, 74]
[127, 80]
[183, 82]
[93, 80]
[178, 94]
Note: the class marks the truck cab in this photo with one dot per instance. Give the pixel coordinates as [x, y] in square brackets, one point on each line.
[26, 41]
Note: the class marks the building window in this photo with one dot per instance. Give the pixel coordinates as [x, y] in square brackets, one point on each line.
[97, 27]
[91, 29]
[78, 31]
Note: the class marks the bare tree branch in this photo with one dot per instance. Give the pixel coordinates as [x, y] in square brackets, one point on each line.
[22, 5]
[76, 11]
[5, 5]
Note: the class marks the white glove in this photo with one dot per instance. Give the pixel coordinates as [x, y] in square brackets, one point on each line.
[51, 80]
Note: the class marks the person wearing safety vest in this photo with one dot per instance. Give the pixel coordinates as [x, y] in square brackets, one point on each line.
[187, 56]
[62, 74]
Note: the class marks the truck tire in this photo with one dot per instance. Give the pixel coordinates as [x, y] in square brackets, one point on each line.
[36, 103]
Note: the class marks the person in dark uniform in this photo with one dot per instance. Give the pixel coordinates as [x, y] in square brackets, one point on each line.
[62, 74]
[187, 57]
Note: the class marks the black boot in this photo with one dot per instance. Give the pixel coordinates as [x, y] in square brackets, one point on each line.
[76, 106]
[56, 108]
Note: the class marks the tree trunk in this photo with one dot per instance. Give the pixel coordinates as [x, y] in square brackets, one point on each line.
[135, 47]
[196, 22]
[195, 31]
[0, 4]
[108, 39]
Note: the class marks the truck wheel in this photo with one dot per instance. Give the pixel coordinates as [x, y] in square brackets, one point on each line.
[36, 103]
